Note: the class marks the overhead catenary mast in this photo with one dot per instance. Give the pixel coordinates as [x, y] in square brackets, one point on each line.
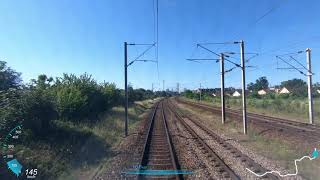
[244, 103]
[309, 75]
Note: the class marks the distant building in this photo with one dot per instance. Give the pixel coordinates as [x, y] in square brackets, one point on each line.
[213, 94]
[318, 91]
[284, 90]
[236, 94]
[262, 92]
[275, 89]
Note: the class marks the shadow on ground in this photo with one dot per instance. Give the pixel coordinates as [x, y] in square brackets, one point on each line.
[64, 149]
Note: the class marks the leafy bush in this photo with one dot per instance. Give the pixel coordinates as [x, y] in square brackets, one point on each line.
[32, 107]
[38, 110]
[270, 95]
[112, 96]
[79, 98]
[190, 94]
[70, 101]
[11, 109]
[254, 94]
[70, 97]
[283, 96]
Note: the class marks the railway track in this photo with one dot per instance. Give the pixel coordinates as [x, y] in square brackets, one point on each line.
[311, 132]
[158, 154]
[225, 171]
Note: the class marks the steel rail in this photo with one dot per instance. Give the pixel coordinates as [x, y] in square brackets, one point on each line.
[154, 149]
[229, 148]
[221, 166]
[259, 117]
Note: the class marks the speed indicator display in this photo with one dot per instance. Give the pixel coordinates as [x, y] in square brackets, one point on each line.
[8, 144]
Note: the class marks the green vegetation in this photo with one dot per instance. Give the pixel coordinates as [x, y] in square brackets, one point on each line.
[261, 83]
[70, 123]
[278, 105]
[293, 105]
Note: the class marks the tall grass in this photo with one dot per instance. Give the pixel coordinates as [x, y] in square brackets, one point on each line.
[77, 149]
[293, 108]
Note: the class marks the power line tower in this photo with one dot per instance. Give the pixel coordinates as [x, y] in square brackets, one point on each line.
[236, 65]
[162, 85]
[223, 111]
[200, 92]
[244, 99]
[178, 88]
[309, 75]
[126, 65]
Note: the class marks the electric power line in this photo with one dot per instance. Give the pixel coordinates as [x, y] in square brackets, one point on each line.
[157, 40]
[156, 32]
[301, 72]
[298, 63]
[261, 17]
[143, 53]
[226, 59]
[268, 12]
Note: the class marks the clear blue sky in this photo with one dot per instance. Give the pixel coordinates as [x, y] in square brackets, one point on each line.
[77, 36]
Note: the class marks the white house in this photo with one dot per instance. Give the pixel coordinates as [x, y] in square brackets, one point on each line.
[284, 90]
[236, 94]
[274, 89]
[262, 92]
[196, 91]
[214, 95]
[318, 91]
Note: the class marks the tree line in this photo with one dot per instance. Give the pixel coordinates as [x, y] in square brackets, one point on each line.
[67, 98]
[297, 87]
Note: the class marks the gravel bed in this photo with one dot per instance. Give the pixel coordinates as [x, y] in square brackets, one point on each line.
[189, 155]
[232, 162]
[263, 161]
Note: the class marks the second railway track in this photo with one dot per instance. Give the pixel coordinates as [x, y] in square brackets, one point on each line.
[311, 132]
[220, 166]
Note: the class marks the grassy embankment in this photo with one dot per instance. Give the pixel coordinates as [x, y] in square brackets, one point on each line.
[274, 148]
[291, 108]
[77, 150]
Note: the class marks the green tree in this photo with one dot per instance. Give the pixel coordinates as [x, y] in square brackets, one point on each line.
[11, 109]
[251, 86]
[315, 89]
[297, 87]
[111, 94]
[190, 94]
[70, 101]
[38, 110]
[9, 78]
[78, 98]
[261, 83]
[43, 82]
